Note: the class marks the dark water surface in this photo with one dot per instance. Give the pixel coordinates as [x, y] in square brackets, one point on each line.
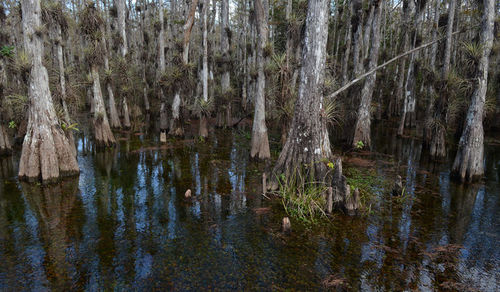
[124, 224]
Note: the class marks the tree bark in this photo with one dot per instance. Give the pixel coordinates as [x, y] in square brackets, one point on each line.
[362, 130]
[224, 115]
[5, 145]
[469, 161]
[47, 153]
[400, 93]
[438, 137]
[203, 131]
[122, 13]
[345, 60]
[161, 66]
[103, 135]
[260, 140]
[113, 111]
[308, 142]
[176, 128]
[427, 135]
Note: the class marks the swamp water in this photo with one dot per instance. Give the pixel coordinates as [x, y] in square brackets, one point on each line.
[124, 224]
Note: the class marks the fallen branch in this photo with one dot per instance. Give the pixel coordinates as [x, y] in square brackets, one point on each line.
[364, 75]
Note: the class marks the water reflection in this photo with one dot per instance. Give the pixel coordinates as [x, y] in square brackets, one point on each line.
[126, 225]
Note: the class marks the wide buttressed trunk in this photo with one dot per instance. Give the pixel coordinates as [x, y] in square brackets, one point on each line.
[308, 142]
[362, 131]
[469, 164]
[103, 135]
[47, 153]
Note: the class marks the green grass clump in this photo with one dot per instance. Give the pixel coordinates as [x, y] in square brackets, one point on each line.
[367, 181]
[302, 197]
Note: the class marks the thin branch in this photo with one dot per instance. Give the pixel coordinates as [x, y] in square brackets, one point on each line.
[363, 76]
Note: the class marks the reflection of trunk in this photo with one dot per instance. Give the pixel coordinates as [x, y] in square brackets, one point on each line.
[363, 122]
[53, 206]
[47, 152]
[103, 135]
[308, 142]
[469, 164]
[260, 142]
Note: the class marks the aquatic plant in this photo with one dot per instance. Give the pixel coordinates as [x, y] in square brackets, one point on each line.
[303, 198]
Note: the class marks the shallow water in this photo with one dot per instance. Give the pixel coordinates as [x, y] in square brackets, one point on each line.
[124, 224]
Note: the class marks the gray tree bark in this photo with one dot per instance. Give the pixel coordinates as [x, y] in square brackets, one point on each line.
[308, 142]
[260, 140]
[103, 135]
[224, 118]
[203, 130]
[469, 161]
[176, 128]
[46, 153]
[362, 130]
[161, 66]
[113, 111]
[122, 30]
[438, 137]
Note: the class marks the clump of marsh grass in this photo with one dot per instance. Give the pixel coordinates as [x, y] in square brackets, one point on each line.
[302, 196]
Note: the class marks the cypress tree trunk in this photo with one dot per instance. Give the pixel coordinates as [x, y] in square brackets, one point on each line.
[176, 128]
[260, 142]
[430, 89]
[345, 60]
[161, 66]
[362, 130]
[47, 153]
[122, 12]
[204, 73]
[401, 93]
[103, 135]
[224, 118]
[469, 161]
[357, 25]
[438, 137]
[113, 111]
[308, 142]
[5, 146]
